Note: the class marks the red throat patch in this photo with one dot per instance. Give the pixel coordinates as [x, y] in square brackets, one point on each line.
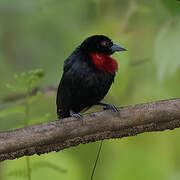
[104, 62]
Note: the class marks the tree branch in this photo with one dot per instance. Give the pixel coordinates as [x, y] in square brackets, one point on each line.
[65, 133]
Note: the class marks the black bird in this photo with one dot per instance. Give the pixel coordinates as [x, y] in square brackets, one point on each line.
[88, 74]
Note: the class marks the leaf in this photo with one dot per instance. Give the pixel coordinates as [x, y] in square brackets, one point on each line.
[167, 51]
[38, 73]
[26, 80]
[17, 87]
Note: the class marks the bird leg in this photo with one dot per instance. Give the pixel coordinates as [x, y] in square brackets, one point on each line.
[73, 114]
[108, 106]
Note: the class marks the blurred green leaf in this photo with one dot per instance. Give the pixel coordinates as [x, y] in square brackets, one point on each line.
[24, 81]
[167, 51]
[38, 72]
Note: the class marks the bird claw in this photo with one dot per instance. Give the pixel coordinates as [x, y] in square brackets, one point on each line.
[76, 115]
[110, 106]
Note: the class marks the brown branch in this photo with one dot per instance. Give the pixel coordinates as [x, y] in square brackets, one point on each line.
[61, 134]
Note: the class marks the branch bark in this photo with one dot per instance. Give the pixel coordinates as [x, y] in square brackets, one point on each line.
[68, 132]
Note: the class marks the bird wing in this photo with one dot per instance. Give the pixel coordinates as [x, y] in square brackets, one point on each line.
[73, 78]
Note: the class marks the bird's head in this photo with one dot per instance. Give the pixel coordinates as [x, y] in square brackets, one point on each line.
[100, 44]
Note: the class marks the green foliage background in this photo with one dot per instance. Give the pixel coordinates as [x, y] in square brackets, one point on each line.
[42, 33]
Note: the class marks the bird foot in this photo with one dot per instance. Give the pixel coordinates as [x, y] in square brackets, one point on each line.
[76, 115]
[110, 106]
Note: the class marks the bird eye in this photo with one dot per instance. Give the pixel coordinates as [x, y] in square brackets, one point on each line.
[105, 43]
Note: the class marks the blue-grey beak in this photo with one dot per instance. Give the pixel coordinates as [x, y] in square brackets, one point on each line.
[117, 47]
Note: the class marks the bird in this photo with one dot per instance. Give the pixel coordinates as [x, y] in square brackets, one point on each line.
[88, 74]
